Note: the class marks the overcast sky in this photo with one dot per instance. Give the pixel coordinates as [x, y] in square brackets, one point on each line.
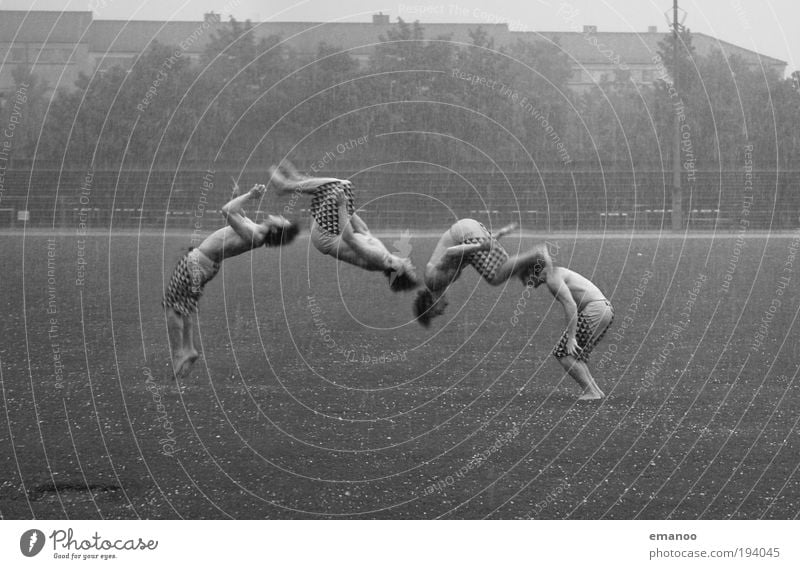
[766, 26]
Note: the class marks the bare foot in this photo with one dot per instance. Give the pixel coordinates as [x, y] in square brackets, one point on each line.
[277, 179]
[183, 363]
[591, 395]
[290, 171]
[505, 230]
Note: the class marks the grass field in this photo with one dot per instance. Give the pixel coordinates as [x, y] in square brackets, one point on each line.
[317, 396]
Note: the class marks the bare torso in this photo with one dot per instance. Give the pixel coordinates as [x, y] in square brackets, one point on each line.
[224, 243]
[442, 270]
[373, 255]
[583, 290]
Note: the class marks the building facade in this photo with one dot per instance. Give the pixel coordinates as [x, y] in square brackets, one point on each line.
[57, 46]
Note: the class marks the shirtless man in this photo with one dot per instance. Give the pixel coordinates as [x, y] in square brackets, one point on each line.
[588, 313]
[467, 242]
[202, 263]
[336, 229]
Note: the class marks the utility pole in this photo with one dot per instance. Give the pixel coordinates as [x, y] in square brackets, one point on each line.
[677, 193]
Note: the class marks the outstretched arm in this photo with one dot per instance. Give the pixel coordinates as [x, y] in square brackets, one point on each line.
[234, 214]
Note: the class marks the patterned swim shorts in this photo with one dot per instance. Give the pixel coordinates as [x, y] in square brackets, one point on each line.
[324, 208]
[487, 262]
[185, 286]
[593, 321]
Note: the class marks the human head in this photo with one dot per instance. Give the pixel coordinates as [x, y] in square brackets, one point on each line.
[402, 275]
[280, 231]
[428, 305]
[536, 272]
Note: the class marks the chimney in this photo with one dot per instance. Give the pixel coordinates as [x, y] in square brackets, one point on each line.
[652, 29]
[589, 29]
[380, 18]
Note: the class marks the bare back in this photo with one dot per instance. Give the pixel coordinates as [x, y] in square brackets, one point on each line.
[443, 269]
[582, 290]
[225, 242]
[372, 254]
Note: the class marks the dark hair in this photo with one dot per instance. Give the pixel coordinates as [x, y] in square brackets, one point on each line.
[534, 269]
[422, 306]
[403, 279]
[281, 235]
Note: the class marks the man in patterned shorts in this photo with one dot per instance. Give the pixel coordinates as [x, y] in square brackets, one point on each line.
[338, 231]
[202, 263]
[588, 313]
[467, 242]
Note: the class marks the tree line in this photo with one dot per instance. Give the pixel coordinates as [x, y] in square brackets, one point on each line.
[252, 100]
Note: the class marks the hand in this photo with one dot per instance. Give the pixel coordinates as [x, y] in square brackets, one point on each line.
[257, 191]
[486, 244]
[572, 347]
[339, 195]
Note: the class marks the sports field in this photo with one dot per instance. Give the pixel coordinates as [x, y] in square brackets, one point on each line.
[317, 396]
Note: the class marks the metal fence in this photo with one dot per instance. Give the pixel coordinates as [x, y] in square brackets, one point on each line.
[394, 198]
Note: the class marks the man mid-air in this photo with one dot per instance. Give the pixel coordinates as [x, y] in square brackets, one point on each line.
[338, 231]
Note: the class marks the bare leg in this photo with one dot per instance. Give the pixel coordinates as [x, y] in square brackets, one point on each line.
[176, 325]
[189, 351]
[372, 253]
[304, 185]
[175, 331]
[359, 226]
[579, 371]
[359, 246]
[292, 173]
[514, 265]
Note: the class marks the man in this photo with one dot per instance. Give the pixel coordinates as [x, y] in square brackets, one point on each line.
[467, 242]
[336, 229]
[202, 263]
[588, 313]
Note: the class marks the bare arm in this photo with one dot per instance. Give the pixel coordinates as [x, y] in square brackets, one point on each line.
[234, 215]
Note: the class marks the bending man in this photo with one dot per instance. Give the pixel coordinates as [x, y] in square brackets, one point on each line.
[588, 314]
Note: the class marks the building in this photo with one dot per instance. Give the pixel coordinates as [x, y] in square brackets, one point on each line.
[57, 46]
